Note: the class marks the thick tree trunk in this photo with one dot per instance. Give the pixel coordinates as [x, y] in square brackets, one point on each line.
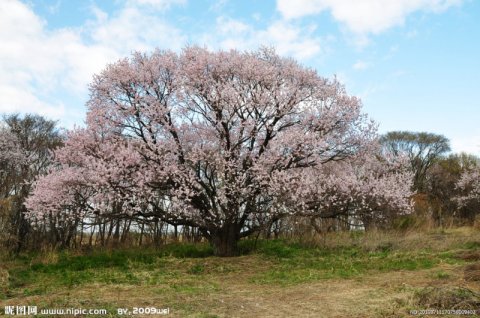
[225, 240]
[141, 235]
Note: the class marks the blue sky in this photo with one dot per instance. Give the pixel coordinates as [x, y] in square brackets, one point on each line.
[414, 63]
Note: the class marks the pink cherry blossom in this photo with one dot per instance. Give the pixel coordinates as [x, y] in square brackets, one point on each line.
[218, 140]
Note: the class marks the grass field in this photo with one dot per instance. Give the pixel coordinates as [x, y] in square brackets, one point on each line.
[343, 274]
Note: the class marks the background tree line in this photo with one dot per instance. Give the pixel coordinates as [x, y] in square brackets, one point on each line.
[26, 145]
[437, 173]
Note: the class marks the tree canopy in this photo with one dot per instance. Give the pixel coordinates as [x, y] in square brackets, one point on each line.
[221, 141]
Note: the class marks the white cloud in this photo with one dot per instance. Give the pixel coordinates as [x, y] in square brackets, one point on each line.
[17, 100]
[218, 5]
[38, 65]
[372, 89]
[133, 29]
[157, 4]
[411, 34]
[363, 16]
[53, 9]
[30, 60]
[287, 38]
[361, 65]
[46, 70]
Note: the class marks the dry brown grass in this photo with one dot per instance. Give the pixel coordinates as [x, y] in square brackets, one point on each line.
[472, 272]
[384, 295]
[447, 297]
[4, 277]
[469, 255]
[226, 288]
[435, 240]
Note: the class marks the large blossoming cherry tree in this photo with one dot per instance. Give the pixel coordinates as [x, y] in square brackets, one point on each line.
[219, 141]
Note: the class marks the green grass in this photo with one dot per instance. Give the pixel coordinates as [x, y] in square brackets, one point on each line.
[181, 272]
[280, 262]
[31, 276]
[294, 263]
[289, 263]
[441, 275]
[473, 245]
